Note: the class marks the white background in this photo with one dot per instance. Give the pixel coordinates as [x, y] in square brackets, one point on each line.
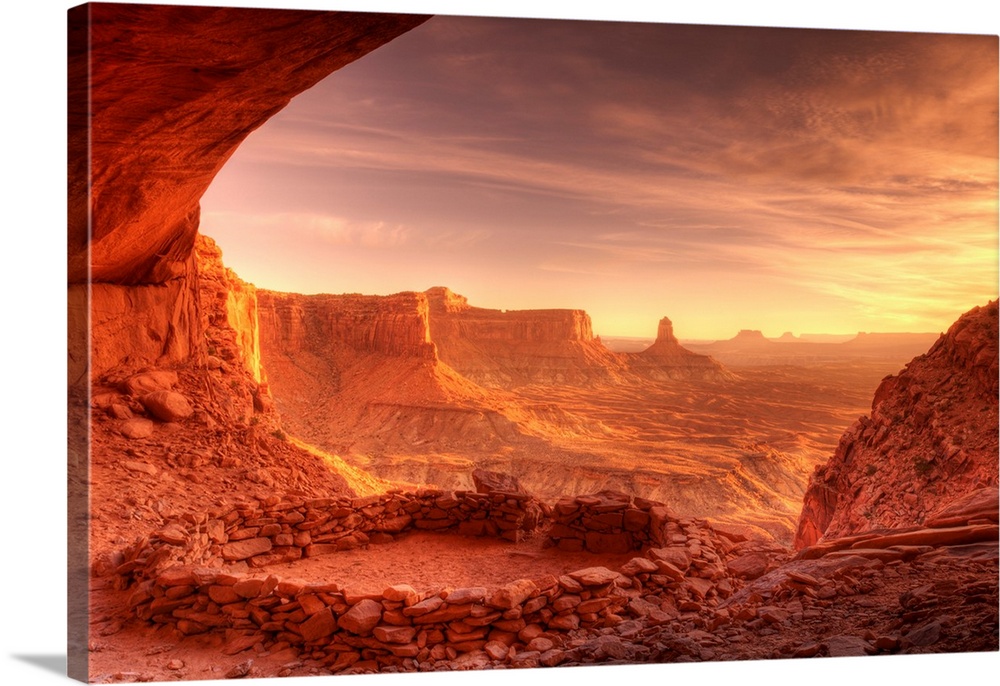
[32, 335]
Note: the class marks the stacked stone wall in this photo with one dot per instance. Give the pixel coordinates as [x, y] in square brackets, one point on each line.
[607, 522]
[259, 534]
[328, 623]
[208, 574]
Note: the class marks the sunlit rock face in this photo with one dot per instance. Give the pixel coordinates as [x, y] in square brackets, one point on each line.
[361, 373]
[931, 440]
[159, 98]
[509, 348]
[505, 348]
[228, 311]
[394, 325]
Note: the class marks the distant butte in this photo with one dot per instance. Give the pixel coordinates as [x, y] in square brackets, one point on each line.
[750, 348]
[666, 358]
[506, 348]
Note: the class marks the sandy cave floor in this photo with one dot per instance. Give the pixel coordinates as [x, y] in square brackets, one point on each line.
[431, 561]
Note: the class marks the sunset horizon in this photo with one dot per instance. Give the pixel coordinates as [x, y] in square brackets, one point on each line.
[729, 178]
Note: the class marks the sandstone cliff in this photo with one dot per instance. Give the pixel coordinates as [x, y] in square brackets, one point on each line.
[228, 308]
[160, 97]
[394, 325]
[931, 439]
[360, 373]
[505, 348]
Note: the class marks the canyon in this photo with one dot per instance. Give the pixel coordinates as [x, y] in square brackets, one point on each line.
[272, 484]
[425, 388]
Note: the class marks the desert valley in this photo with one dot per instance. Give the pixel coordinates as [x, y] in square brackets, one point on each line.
[267, 483]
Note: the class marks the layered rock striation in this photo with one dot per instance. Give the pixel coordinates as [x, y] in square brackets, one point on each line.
[228, 308]
[361, 373]
[931, 439]
[504, 348]
[394, 325]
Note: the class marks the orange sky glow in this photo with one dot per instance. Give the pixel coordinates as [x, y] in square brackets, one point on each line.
[811, 181]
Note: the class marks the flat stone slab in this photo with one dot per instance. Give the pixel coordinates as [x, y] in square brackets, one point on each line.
[241, 550]
[594, 576]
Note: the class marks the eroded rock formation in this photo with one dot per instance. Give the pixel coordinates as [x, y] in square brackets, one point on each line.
[228, 313]
[505, 348]
[160, 97]
[931, 438]
[394, 325]
[167, 94]
[168, 105]
[362, 371]
[668, 359]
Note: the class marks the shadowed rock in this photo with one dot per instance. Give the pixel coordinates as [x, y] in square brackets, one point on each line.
[494, 482]
[930, 440]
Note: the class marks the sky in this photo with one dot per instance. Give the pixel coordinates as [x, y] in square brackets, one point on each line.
[729, 178]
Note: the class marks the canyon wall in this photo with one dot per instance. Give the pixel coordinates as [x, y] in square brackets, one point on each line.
[504, 348]
[395, 325]
[931, 439]
[361, 373]
[228, 308]
[159, 98]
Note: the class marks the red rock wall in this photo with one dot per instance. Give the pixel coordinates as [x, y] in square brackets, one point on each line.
[455, 318]
[508, 348]
[228, 308]
[143, 325]
[605, 522]
[931, 439]
[395, 325]
[166, 95]
[252, 536]
[159, 98]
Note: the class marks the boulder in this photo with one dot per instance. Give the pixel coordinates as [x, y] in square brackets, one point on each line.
[319, 625]
[748, 566]
[149, 382]
[513, 594]
[167, 406]
[247, 548]
[595, 576]
[137, 427]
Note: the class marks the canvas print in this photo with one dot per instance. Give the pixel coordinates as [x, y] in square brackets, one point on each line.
[405, 343]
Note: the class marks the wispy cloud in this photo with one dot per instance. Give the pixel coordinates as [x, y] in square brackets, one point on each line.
[336, 231]
[859, 167]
